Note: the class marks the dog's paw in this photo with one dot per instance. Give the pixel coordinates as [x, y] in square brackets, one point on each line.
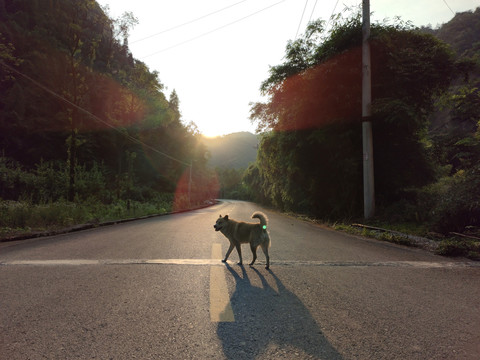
[267, 267]
[224, 260]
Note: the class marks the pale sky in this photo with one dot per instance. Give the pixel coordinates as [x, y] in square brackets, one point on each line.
[217, 63]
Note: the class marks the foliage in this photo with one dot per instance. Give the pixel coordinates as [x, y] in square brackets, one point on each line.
[456, 247]
[453, 201]
[294, 177]
[81, 118]
[20, 217]
[388, 236]
[462, 33]
[311, 161]
[252, 182]
[231, 184]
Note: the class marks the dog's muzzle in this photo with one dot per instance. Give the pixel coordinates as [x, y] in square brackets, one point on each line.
[216, 228]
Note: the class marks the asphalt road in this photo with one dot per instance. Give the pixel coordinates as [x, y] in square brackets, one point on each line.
[156, 289]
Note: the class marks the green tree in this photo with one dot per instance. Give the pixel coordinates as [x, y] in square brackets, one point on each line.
[80, 91]
[312, 159]
[454, 199]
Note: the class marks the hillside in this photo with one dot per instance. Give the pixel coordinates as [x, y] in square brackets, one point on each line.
[234, 151]
[461, 33]
[80, 117]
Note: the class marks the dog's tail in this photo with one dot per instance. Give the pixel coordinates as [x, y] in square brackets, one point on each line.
[263, 218]
[263, 221]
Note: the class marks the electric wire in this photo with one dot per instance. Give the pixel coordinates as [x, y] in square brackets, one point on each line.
[445, 1]
[330, 18]
[96, 118]
[188, 22]
[313, 10]
[301, 19]
[212, 31]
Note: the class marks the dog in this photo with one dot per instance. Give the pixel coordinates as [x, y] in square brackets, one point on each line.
[239, 232]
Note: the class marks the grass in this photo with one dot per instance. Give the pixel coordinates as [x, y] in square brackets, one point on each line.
[460, 247]
[453, 246]
[22, 217]
[379, 235]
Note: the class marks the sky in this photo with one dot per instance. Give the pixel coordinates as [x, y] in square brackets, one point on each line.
[216, 53]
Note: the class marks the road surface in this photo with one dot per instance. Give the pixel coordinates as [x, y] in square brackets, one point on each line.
[156, 289]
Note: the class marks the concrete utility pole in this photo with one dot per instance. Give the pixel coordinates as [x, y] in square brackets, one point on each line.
[368, 177]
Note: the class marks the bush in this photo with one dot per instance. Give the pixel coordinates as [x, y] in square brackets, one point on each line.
[14, 214]
[455, 247]
[15, 182]
[26, 216]
[92, 183]
[454, 202]
[51, 181]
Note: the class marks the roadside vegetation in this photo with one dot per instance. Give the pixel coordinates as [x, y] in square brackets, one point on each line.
[426, 130]
[414, 235]
[19, 217]
[40, 204]
[87, 133]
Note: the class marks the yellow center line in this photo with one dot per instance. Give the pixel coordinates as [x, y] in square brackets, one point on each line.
[220, 307]
[216, 251]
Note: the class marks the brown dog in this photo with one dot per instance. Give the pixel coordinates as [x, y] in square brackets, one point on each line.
[239, 232]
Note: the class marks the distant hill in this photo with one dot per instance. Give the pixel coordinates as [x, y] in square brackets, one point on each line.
[233, 151]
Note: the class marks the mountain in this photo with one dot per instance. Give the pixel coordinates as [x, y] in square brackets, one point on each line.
[235, 150]
[461, 33]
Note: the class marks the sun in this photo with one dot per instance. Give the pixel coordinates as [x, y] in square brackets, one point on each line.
[210, 135]
[211, 131]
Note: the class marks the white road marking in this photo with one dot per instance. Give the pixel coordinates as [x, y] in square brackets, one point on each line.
[215, 262]
[51, 262]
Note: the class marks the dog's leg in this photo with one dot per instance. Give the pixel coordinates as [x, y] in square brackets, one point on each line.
[239, 250]
[228, 252]
[254, 252]
[265, 251]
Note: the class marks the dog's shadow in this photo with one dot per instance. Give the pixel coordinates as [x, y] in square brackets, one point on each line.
[270, 323]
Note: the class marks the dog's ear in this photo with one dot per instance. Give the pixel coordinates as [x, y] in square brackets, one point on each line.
[226, 217]
[219, 216]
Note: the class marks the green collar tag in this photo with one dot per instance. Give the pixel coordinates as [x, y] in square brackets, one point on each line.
[264, 227]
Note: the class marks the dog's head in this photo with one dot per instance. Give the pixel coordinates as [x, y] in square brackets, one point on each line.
[221, 223]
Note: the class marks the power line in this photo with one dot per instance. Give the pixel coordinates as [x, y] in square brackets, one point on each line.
[445, 1]
[311, 14]
[300, 23]
[328, 22]
[60, 97]
[188, 22]
[212, 31]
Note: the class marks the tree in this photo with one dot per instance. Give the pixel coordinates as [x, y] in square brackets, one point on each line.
[77, 50]
[312, 159]
[454, 199]
[83, 93]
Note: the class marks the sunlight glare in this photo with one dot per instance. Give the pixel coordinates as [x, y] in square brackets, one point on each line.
[209, 135]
